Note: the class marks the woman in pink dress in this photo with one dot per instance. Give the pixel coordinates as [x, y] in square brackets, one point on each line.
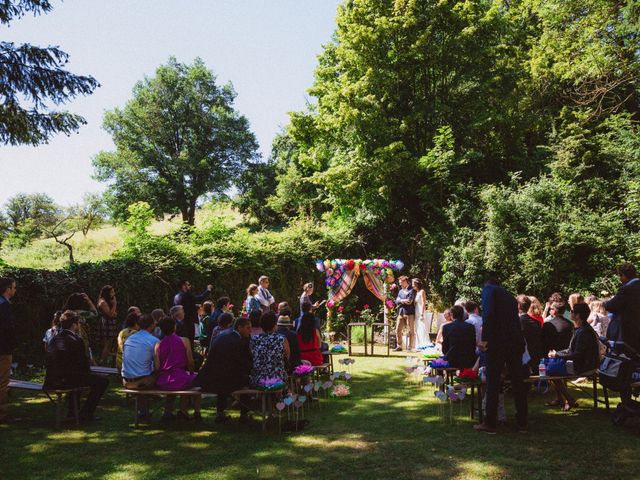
[175, 369]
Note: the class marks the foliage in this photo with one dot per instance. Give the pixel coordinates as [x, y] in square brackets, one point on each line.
[27, 215]
[178, 139]
[91, 213]
[32, 80]
[255, 185]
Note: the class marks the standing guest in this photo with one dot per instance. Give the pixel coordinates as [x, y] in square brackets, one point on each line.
[225, 322]
[503, 343]
[53, 331]
[175, 369]
[131, 327]
[68, 365]
[306, 308]
[84, 307]
[254, 318]
[284, 327]
[252, 303]
[574, 299]
[625, 321]
[439, 336]
[264, 296]
[189, 303]
[532, 331]
[406, 310]
[177, 313]
[284, 307]
[535, 310]
[107, 324]
[474, 318]
[422, 326]
[206, 326]
[138, 361]
[309, 340]
[599, 321]
[227, 366]
[7, 343]
[222, 305]
[459, 340]
[583, 351]
[307, 298]
[270, 352]
[557, 331]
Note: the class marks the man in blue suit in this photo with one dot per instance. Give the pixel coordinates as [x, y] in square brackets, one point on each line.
[503, 342]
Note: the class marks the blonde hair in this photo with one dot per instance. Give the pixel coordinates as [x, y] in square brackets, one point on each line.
[535, 308]
[575, 298]
[597, 306]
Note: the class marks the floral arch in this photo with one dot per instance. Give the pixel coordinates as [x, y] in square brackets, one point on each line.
[342, 274]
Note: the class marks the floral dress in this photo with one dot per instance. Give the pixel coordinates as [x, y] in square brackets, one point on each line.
[267, 351]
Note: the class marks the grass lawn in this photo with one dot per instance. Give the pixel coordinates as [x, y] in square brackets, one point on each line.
[388, 429]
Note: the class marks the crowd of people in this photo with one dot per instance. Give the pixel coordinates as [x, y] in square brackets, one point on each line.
[197, 343]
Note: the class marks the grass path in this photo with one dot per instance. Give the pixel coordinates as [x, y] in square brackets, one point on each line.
[387, 429]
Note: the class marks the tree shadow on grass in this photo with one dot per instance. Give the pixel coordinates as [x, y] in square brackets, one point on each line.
[388, 428]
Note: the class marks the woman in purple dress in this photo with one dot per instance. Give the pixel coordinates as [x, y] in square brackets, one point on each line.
[175, 364]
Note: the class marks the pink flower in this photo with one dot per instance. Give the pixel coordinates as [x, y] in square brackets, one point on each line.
[340, 308]
[357, 312]
[390, 304]
[331, 304]
[394, 286]
[365, 306]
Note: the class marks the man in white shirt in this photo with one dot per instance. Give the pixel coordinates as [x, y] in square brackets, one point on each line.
[474, 318]
[264, 296]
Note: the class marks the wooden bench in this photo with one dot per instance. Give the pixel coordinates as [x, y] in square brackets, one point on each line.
[104, 370]
[364, 325]
[606, 394]
[267, 402]
[60, 395]
[136, 394]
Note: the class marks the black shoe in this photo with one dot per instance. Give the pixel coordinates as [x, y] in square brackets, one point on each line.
[221, 418]
[397, 349]
[182, 416]
[197, 417]
[245, 419]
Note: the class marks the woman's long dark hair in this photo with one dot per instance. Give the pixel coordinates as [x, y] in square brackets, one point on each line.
[307, 328]
[105, 295]
[76, 302]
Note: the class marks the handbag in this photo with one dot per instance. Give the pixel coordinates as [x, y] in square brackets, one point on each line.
[556, 367]
[614, 371]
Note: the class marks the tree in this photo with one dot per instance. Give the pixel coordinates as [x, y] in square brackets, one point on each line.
[61, 226]
[256, 184]
[28, 213]
[178, 139]
[90, 213]
[33, 78]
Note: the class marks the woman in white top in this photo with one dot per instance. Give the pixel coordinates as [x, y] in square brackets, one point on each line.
[422, 329]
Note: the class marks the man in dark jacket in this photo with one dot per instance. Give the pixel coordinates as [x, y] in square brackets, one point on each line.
[228, 365]
[532, 331]
[459, 340]
[625, 323]
[503, 341]
[557, 332]
[189, 303]
[406, 312]
[284, 327]
[7, 343]
[68, 365]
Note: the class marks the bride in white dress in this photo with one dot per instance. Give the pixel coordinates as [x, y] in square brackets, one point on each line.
[422, 329]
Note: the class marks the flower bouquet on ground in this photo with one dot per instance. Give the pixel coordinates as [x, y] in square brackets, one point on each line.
[439, 363]
[341, 390]
[466, 375]
[302, 370]
[268, 384]
[431, 352]
[338, 349]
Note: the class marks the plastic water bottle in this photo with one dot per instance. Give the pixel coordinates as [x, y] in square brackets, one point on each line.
[483, 374]
[542, 369]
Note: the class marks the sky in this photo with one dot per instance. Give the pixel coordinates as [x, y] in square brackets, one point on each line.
[266, 48]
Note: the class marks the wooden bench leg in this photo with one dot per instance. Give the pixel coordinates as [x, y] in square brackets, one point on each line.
[76, 410]
[136, 404]
[58, 402]
[473, 400]
[595, 393]
[264, 412]
[606, 398]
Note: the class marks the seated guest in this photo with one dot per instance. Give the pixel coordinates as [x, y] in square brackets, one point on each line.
[175, 369]
[84, 307]
[252, 302]
[284, 307]
[177, 313]
[284, 327]
[535, 310]
[157, 314]
[270, 352]
[557, 331]
[205, 327]
[53, 331]
[447, 319]
[598, 319]
[227, 366]
[138, 360]
[472, 310]
[309, 340]
[254, 318]
[68, 365]
[532, 331]
[213, 324]
[583, 351]
[307, 308]
[459, 340]
[225, 322]
[131, 327]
